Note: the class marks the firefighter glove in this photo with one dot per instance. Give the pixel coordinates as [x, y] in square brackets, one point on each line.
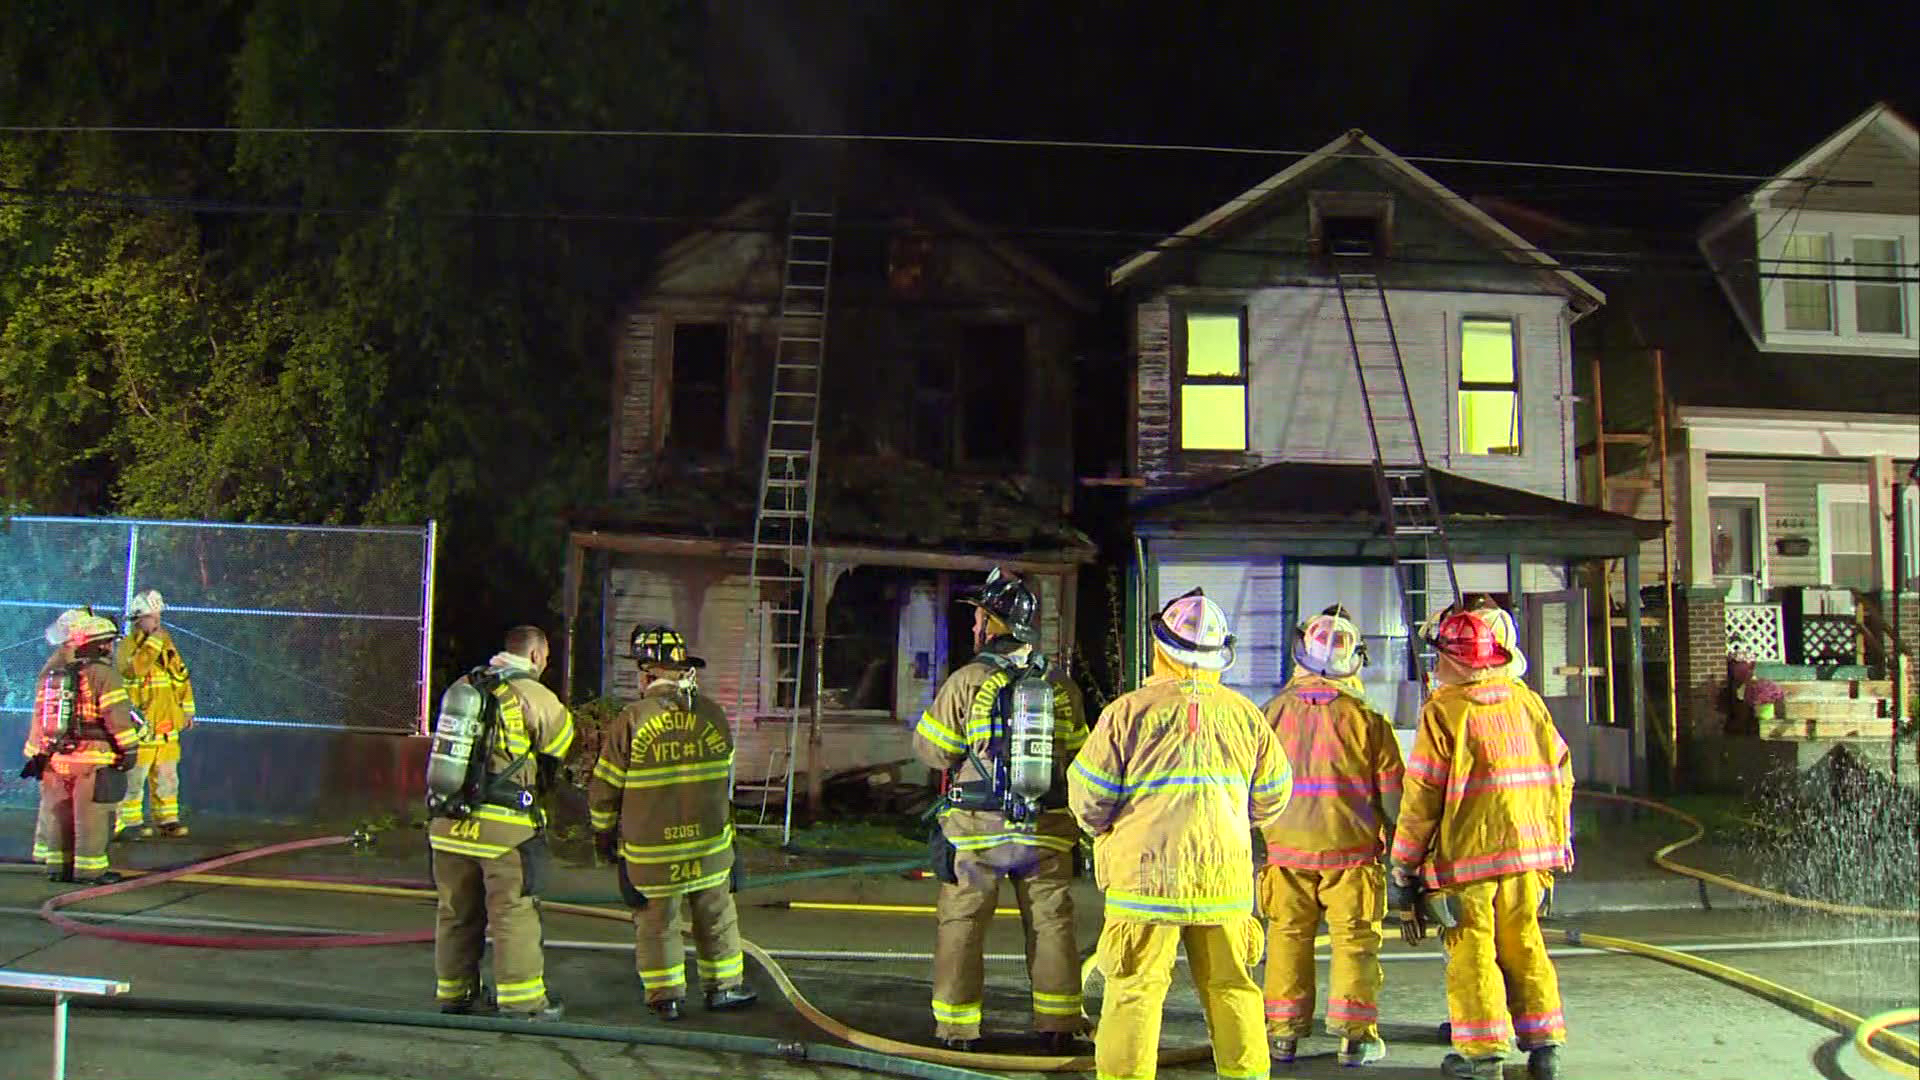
[606, 844]
[35, 765]
[124, 761]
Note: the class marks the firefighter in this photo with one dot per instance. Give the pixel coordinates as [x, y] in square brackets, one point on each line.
[662, 813]
[1173, 779]
[1485, 822]
[489, 861]
[1004, 815]
[82, 742]
[157, 682]
[1323, 854]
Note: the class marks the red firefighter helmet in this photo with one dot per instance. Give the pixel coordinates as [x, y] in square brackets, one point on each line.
[1468, 639]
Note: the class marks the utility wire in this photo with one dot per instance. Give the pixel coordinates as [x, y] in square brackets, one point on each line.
[1123, 242]
[848, 137]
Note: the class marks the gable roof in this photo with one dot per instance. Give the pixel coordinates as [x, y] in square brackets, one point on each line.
[1356, 143]
[1879, 116]
[764, 214]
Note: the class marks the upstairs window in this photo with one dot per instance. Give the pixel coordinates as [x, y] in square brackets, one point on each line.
[1213, 381]
[1809, 303]
[1489, 388]
[697, 397]
[1877, 305]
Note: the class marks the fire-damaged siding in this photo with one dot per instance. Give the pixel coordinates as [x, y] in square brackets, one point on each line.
[633, 418]
[705, 599]
[1304, 400]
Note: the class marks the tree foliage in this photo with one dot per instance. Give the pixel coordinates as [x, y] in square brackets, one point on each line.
[327, 328]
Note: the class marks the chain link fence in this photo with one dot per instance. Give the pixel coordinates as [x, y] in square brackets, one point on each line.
[282, 626]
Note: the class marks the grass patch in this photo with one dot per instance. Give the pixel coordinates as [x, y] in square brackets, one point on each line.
[880, 835]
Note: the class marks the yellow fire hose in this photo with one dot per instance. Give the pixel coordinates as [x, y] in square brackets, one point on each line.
[1878, 1025]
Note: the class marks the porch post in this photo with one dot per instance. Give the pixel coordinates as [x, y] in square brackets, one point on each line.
[1699, 520]
[570, 614]
[1289, 613]
[1516, 605]
[1636, 671]
[1880, 513]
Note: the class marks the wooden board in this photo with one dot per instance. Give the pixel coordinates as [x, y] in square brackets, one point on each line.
[1837, 689]
[1783, 728]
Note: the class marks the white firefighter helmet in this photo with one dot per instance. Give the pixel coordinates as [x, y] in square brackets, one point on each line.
[1192, 631]
[146, 603]
[1329, 644]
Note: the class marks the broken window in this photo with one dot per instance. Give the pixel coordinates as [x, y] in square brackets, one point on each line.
[1489, 388]
[935, 400]
[1213, 381]
[993, 378]
[697, 397]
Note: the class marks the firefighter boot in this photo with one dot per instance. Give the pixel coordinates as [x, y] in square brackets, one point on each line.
[731, 997]
[104, 877]
[1064, 1044]
[668, 1009]
[554, 1010]
[1456, 1067]
[469, 1005]
[1357, 1052]
[1283, 1048]
[959, 1046]
[172, 830]
[1543, 1063]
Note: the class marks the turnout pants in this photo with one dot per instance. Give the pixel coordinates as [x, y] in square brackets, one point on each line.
[660, 956]
[1497, 968]
[1353, 901]
[71, 834]
[157, 768]
[478, 895]
[1137, 960]
[1042, 883]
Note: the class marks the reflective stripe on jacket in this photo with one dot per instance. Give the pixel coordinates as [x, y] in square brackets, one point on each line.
[534, 723]
[1173, 779]
[662, 781]
[157, 682]
[1489, 787]
[102, 722]
[961, 717]
[1344, 759]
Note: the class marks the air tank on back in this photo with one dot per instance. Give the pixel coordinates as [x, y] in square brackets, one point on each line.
[454, 733]
[1030, 765]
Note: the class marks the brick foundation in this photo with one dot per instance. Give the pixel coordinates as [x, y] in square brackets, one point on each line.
[1700, 665]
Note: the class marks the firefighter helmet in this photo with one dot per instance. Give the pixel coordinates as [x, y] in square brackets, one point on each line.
[146, 603]
[1192, 631]
[89, 633]
[1468, 639]
[1008, 599]
[661, 646]
[1329, 644]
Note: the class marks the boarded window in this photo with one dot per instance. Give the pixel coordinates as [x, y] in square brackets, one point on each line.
[1489, 388]
[1213, 381]
[1809, 302]
[993, 379]
[1877, 305]
[697, 417]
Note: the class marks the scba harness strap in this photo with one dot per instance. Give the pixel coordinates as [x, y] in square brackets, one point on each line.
[999, 790]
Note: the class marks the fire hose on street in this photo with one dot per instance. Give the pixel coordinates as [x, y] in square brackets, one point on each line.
[874, 1053]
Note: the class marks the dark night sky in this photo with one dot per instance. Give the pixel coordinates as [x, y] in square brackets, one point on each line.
[1727, 87]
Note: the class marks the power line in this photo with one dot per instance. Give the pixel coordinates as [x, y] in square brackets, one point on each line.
[1092, 240]
[927, 140]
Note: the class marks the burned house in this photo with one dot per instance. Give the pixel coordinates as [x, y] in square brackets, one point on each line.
[945, 428]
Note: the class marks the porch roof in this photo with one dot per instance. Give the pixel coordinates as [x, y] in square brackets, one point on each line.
[1331, 510]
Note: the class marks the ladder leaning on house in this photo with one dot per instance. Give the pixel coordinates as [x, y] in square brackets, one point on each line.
[1647, 476]
[776, 634]
[1402, 479]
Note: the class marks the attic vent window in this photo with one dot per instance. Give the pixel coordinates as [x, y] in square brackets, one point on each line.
[1358, 236]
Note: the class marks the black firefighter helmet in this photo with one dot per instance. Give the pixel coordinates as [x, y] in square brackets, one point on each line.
[662, 646]
[1008, 599]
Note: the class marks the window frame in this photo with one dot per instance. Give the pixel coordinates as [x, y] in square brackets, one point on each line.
[1461, 385]
[1842, 227]
[1833, 294]
[1180, 378]
[666, 378]
[1825, 498]
[1899, 288]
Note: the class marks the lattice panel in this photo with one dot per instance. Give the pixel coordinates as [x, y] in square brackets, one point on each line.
[1829, 639]
[1757, 632]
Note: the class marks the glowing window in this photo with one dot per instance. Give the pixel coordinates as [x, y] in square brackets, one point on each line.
[1213, 382]
[1809, 303]
[1489, 388]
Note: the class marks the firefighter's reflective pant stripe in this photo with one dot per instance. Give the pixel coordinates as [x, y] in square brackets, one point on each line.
[1500, 983]
[660, 956]
[71, 834]
[157, 766]
[1353, 901]
[1137, 960]
[479, 896]
[1042, 883]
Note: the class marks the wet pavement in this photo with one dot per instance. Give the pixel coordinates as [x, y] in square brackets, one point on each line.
[1630, 1017]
